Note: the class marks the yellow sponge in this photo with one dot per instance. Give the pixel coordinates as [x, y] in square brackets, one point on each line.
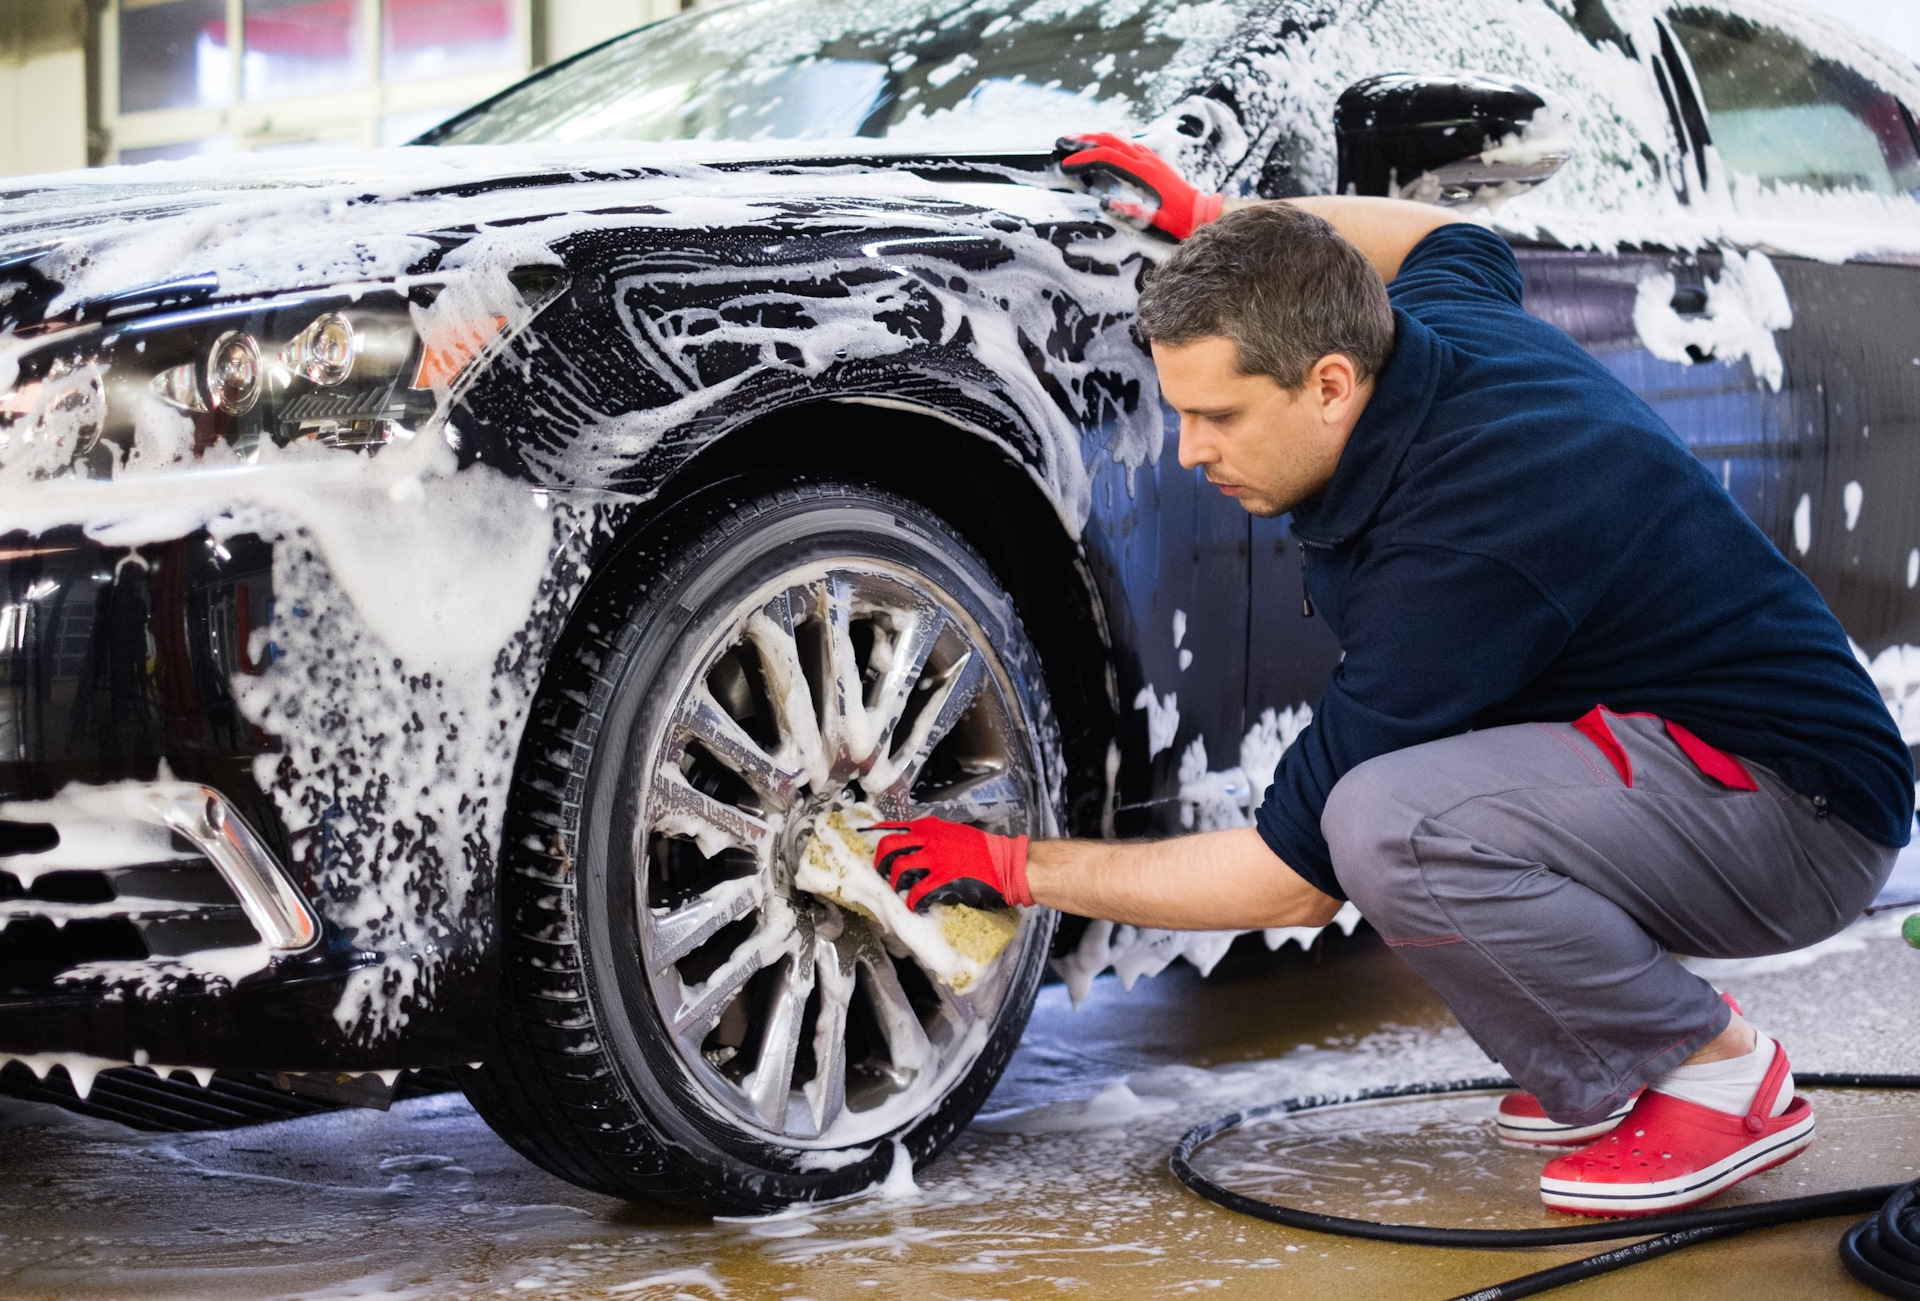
[956, 944]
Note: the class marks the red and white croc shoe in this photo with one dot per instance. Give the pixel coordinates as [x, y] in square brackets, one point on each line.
[1670, 1154]
[1521, 1123]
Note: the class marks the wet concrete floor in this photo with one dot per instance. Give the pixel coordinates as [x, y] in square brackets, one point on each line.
[1063, 1190]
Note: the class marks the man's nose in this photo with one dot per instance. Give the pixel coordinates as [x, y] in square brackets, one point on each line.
[1193, 449]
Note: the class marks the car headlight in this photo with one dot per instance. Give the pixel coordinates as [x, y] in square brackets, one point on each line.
[354, 371]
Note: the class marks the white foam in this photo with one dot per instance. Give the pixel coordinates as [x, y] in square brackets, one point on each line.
[1209, 801]
[1111, 1108]
[81, 1068]
[1136, 951]
[150, 977]
[1746, 304]
[1217, 800]
[831, 1159]
[110, 825]
[1163, 718]
[672, 1285]
[1896, 671]
[899, 1186]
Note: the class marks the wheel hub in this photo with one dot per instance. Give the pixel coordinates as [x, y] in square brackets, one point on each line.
[790, 846]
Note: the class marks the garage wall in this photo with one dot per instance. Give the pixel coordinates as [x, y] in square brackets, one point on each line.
[44, 74]
[43, 113]
[43, 86]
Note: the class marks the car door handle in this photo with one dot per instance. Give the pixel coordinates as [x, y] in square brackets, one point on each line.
[1690, 300]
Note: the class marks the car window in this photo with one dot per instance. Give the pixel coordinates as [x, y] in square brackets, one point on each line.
[1780, 112]
[814, 69]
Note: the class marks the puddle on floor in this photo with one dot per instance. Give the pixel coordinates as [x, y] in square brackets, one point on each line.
[1063, 1191]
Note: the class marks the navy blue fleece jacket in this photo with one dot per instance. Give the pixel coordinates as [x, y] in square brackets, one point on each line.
[1511, 535]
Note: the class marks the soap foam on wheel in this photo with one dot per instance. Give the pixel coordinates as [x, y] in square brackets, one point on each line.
[956, 944]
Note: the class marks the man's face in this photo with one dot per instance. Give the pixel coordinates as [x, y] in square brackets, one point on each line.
[1270, 448]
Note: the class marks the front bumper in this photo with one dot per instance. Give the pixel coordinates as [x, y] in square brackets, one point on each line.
[152, 906]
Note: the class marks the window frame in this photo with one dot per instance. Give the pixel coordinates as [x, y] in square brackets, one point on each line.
[1693, 120]
[348, 116]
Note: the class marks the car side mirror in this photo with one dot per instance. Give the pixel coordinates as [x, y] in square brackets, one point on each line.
[1447, 139]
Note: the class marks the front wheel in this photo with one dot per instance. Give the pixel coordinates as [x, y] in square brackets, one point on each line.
[680, 1022]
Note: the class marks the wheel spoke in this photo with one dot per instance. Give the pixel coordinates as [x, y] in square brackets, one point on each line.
[941, 716]
[701, 1005]
[827, 1090]
[728, 742]
[910, 653]
[907, 1042]
[680, 810]
[679, 931]
[845, 728]
[771, 1083]
[959, 1010]
[792, 698]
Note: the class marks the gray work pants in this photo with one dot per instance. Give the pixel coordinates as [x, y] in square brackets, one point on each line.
[1543, 898]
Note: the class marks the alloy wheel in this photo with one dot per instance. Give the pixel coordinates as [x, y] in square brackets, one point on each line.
[853, 684]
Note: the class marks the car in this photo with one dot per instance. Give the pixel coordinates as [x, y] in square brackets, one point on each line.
[442, 590]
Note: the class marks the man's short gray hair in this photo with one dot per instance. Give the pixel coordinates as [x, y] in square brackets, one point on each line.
[1282, 285]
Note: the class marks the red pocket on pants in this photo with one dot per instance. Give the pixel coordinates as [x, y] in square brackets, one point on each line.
[1714, 762]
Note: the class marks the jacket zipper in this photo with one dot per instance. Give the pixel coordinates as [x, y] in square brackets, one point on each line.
[1306, 601]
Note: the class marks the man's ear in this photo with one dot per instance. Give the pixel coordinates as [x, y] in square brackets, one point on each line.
[1332, 383]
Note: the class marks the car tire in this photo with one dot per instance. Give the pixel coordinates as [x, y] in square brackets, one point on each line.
[650, 841]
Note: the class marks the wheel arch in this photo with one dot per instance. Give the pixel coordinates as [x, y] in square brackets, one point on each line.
[976, 481]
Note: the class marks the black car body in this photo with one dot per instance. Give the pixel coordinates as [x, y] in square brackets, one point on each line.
[283, 592]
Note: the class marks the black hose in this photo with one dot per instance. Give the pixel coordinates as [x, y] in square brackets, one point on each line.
[1882, 1251]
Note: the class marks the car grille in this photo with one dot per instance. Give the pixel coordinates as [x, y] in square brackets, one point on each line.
[70, 929]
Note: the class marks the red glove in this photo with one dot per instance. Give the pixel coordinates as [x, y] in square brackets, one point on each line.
[1099, 159]
[961, 865]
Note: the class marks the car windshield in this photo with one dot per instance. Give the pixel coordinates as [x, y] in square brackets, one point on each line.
[985, 72]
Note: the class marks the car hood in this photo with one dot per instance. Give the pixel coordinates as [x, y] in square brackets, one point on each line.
[247, 224]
